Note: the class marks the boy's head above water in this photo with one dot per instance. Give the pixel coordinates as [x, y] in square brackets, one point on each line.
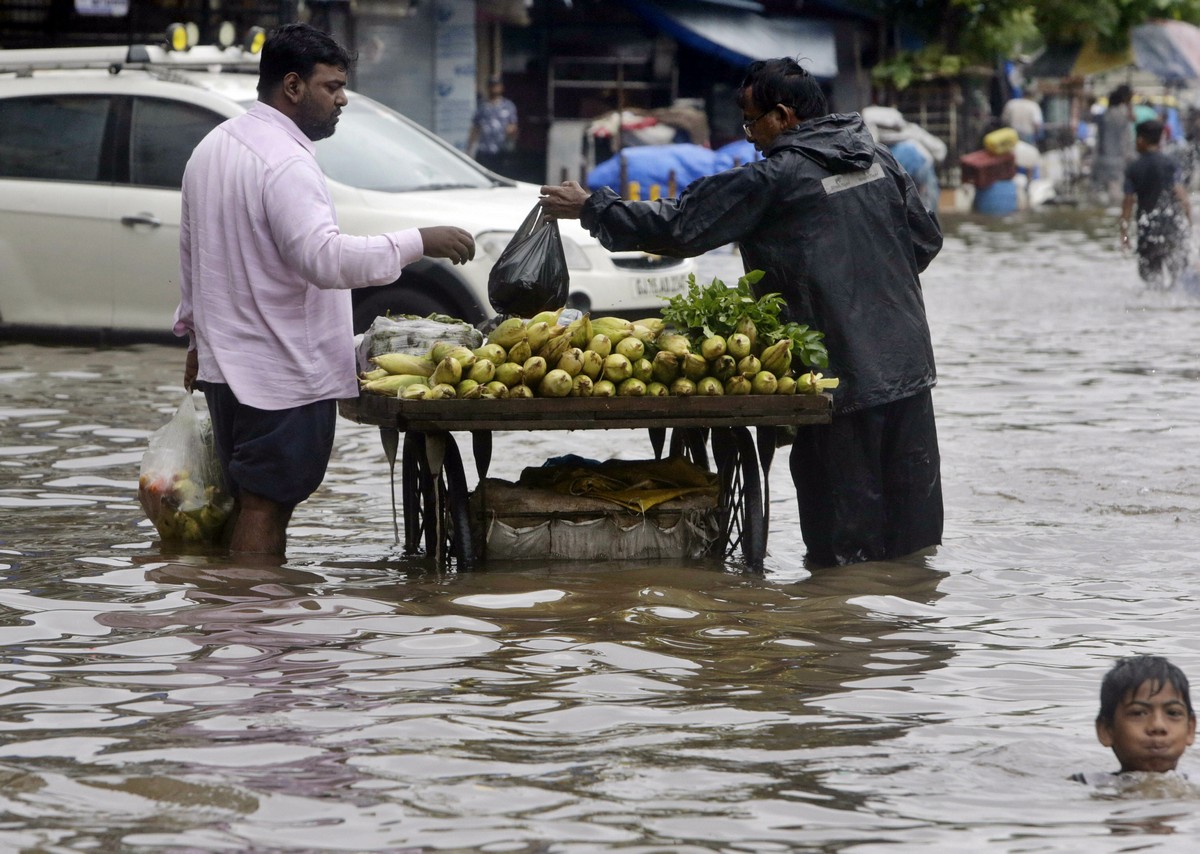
[1146, 714]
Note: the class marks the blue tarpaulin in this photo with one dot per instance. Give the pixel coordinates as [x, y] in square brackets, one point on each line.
[653, 164]
[741, 150]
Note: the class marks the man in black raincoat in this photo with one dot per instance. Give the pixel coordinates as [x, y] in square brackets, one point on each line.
[840, 231]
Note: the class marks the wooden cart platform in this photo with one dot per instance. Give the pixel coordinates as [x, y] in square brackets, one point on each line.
[434, 483]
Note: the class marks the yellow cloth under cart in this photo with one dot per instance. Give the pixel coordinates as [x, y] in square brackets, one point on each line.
[636, 485]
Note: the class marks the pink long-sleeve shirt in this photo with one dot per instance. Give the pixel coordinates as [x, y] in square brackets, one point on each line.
[265, 272]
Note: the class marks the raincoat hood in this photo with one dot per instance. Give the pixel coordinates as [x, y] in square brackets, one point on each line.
[839, 142]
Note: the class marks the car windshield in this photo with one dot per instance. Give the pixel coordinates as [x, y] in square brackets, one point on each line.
[375, 149]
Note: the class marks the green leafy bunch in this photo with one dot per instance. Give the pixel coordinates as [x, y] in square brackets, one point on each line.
[716, 308]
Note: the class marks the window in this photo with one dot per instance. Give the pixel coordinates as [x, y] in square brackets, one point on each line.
[53, 137]
[162, 137]
[374, 149]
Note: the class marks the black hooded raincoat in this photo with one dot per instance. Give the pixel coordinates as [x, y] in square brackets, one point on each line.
[838, 228]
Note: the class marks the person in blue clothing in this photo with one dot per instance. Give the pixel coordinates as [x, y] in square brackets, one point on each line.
[1146, 717]
[840, 232]
[918, 162]
[1154, 184]
[493, 131]
[1114, 144]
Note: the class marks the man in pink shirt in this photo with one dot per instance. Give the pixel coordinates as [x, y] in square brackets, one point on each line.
[265, 284]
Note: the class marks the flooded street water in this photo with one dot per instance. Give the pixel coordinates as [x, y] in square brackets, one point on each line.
[359, 700]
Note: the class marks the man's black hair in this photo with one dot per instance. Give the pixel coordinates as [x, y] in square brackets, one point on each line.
[1150, 131]
[1127, 675]
[782, 81]
[299, 48]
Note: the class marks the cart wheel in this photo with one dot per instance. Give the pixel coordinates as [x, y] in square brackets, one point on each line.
[753, 519]
[417, 495]
[457, 509]
[429, 499]
[743, 523]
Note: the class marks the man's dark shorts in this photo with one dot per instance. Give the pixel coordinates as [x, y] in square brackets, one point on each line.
[280, 455]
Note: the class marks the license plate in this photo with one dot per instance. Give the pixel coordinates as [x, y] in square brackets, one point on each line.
[645, 286]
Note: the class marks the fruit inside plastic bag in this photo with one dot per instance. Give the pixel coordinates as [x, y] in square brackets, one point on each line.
[180, 486]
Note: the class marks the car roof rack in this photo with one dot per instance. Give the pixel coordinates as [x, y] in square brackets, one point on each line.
[116, 57]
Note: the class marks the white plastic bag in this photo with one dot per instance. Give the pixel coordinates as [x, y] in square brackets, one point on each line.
[181, 487]
[412, 335]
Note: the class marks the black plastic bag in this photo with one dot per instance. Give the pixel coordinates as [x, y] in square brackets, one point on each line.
[531, 274]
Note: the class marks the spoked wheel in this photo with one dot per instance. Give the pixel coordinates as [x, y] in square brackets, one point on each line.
[457, 513]
[743, 522]
[436, 511]
[417, 494]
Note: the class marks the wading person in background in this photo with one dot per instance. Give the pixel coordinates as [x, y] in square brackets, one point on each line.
[265, 279]
[841, 232]
[1114, 144]
[1024, 115]
[1154, 183]
[493, 128]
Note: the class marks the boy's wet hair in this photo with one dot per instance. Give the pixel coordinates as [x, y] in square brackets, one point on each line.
[299, 48]
[1128, 674]
[783, 81]
[1150, 131]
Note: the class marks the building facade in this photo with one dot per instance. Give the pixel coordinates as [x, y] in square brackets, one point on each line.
[563, 62]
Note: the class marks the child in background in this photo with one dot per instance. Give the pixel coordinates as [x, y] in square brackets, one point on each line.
[1164, 213]
[1146, 717]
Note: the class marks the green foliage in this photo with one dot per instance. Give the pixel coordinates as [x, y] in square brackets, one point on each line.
[1106, 22]
[964, 33]
[716, 308]
[957, 34]
[909, 65]
[960, 34]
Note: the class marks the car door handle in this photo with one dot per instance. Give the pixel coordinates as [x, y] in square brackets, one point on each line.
[141, 219]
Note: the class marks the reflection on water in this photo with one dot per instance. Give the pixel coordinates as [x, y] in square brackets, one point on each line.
[357, 699]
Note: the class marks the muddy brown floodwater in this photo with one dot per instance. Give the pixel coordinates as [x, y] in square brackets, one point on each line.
[359, 700]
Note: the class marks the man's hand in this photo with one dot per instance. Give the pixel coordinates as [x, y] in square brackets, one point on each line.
[191, 367]
[448, 241]
[564, 201]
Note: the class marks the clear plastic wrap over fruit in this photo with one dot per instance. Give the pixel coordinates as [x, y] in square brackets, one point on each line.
[180, 485]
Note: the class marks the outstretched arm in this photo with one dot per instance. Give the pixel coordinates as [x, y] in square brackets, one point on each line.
[563, 201]
[712, 211]
[448, 241]
[191, 367]
[1126, 213]
[1181, 194]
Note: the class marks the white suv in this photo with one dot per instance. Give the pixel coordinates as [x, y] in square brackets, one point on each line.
[93, 142]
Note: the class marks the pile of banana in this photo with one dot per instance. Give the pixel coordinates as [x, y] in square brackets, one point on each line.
[602, 357]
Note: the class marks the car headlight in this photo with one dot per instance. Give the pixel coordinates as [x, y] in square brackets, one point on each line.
[492, 244]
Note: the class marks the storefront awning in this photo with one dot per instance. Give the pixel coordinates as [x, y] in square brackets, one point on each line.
[1168, 49]
[1080, 60]
[740, 37]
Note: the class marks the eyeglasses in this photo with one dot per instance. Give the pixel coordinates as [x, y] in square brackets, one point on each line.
[749, 123]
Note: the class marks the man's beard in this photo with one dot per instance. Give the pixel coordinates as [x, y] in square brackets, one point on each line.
[315, 125]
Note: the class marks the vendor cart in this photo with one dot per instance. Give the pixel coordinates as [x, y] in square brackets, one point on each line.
[434, 486]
